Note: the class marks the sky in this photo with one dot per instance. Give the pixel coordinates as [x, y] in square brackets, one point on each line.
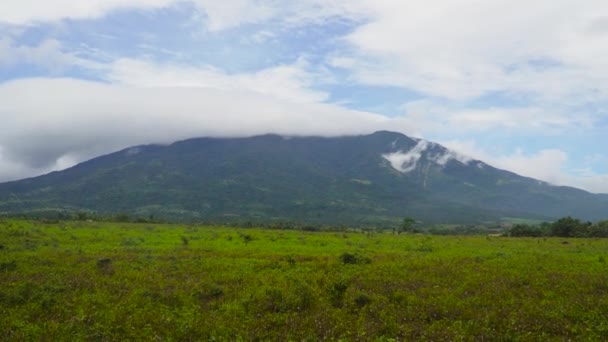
[522, 86]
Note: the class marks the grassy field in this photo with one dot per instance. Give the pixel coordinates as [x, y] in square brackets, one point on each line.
[116, 281]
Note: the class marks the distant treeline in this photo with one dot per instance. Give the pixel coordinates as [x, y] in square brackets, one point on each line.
[564, 227]
[56, 217]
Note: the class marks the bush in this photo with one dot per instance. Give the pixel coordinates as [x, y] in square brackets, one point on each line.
[353, 259]
[246, 238]
[525, 230]
[348, 258]
[568, 227]
[599, 230]
[362, 300]
[337, 292]
[8, 266]
[105, 266]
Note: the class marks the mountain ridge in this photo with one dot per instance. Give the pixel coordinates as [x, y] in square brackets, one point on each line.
[367, 179]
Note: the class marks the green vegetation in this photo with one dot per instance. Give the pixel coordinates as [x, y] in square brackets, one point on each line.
[124, 281]
[564, 227]
[407, 226]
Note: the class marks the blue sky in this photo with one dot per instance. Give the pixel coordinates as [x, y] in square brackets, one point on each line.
[521, 86]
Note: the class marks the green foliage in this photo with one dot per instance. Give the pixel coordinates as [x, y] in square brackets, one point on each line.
[105, 266]
[599, 230]
[122, 217]
[124, 281]
[520, 230]
[567, 227]
[352, 259]
[8, 266]
[407, 225]
[362, 300]
[348, 258]
[337, 292]
[564, 227]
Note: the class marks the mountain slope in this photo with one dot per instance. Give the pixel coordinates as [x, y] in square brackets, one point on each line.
[371, 179]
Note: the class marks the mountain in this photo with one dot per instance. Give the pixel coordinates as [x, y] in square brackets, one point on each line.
[364, 180]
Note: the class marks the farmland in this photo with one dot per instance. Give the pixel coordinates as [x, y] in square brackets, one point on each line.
[125, 281]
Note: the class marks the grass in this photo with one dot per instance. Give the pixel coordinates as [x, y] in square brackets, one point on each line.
[115, 281]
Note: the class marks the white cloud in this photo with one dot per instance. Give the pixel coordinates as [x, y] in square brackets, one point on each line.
[216, 15]
[287, 82]
[546, 164]
[226, 14]
[48, 54]
[592, 181]
[549, 165]
[12, 167]
[406, 161]
[430, 116]
[25, 12]
[551, 53]
[45, 120]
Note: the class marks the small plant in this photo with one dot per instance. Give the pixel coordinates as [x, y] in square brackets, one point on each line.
[216, 291]
[348, 258]
[185, 241]
[246, 238]
[352, 259]
[337, 292]
[8, 266]
[362, 300]
[426, 245]
[132, 241]
[291, 260]
[213, 291]
[105, 266]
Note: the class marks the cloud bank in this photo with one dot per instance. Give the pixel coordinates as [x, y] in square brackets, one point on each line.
[50, 122]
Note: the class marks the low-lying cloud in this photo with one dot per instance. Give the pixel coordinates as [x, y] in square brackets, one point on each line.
[548, 165]
[50, 123]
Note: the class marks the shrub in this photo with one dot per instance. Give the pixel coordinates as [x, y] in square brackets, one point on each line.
[348, 258]
[212, 291]
[246, 238]
[105, 266]
[525, 230]
[362, 300]
[599, 230]
[352, 259]
[566, 227]
[132, 241]
[337, 292]
[8, 266]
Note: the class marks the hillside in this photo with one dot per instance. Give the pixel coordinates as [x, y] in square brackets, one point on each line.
[371, 179]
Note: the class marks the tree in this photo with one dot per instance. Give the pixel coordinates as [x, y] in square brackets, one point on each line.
[407, 226]
[599, 229]
[122, 217]
[567, 227]
[525, 230]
